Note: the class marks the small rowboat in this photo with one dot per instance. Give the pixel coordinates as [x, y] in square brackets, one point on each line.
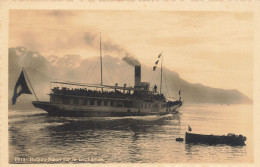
[230, 139]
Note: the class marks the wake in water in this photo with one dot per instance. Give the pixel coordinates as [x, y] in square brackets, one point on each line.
[134, 123]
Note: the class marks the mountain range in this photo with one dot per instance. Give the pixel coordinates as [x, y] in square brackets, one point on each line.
[41, 70]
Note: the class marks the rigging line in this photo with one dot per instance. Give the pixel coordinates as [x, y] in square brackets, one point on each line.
[90, 65]
[86, 72]
[30, 83]
[109, 69]
[158, 73]
[115, 72]
[109, 74]
[165, 83]
[151, 80]
[153, 77]
[156, 79]
[126, 79]
[161, 73]
[101, 68]
[93, 69]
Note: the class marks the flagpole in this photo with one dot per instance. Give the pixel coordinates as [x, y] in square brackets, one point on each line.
[161, 76]
[30, 84]
[101, 70]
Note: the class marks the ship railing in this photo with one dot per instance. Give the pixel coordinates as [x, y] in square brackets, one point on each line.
[111, 94]
[85, 85]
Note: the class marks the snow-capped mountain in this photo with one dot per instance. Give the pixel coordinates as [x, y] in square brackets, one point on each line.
[53, 59]
[70, 61]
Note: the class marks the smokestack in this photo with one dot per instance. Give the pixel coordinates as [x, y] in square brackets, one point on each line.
[137, 76]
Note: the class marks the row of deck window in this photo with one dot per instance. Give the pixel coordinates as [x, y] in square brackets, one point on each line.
[100, 102]
[93, 102]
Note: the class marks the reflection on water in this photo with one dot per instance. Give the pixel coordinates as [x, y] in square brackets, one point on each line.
[35, 137]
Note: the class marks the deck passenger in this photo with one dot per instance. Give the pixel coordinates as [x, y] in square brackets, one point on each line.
[155, 88]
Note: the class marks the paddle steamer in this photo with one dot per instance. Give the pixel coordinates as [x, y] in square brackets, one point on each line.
[91, 100]
[103, 100]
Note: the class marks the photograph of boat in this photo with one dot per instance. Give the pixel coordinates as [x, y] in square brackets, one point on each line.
[118, 86]
[107, 100]
[92, 100]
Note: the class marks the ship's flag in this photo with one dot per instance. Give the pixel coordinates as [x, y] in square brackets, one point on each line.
[189, 128]
[156, 63]
[21, 87]
[154, 68]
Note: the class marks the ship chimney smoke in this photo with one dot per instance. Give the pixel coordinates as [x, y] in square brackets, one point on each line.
[131, 60]
[137, 76]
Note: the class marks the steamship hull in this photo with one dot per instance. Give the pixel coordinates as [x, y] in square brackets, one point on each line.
[78, 111]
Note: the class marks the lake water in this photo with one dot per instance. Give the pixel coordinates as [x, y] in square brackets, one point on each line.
[35, 137]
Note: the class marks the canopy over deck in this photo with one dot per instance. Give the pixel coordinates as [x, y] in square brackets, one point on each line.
[101, 86]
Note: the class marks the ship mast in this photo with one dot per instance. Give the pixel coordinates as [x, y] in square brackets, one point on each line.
[161, 76]
[101, 71]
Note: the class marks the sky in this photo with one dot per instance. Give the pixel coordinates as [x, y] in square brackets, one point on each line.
[211, 48]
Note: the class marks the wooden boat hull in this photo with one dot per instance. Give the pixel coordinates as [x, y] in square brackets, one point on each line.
[214, 139]
[72, 111]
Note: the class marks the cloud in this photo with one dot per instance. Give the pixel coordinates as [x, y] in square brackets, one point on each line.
[110, 46]
[90, 38]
